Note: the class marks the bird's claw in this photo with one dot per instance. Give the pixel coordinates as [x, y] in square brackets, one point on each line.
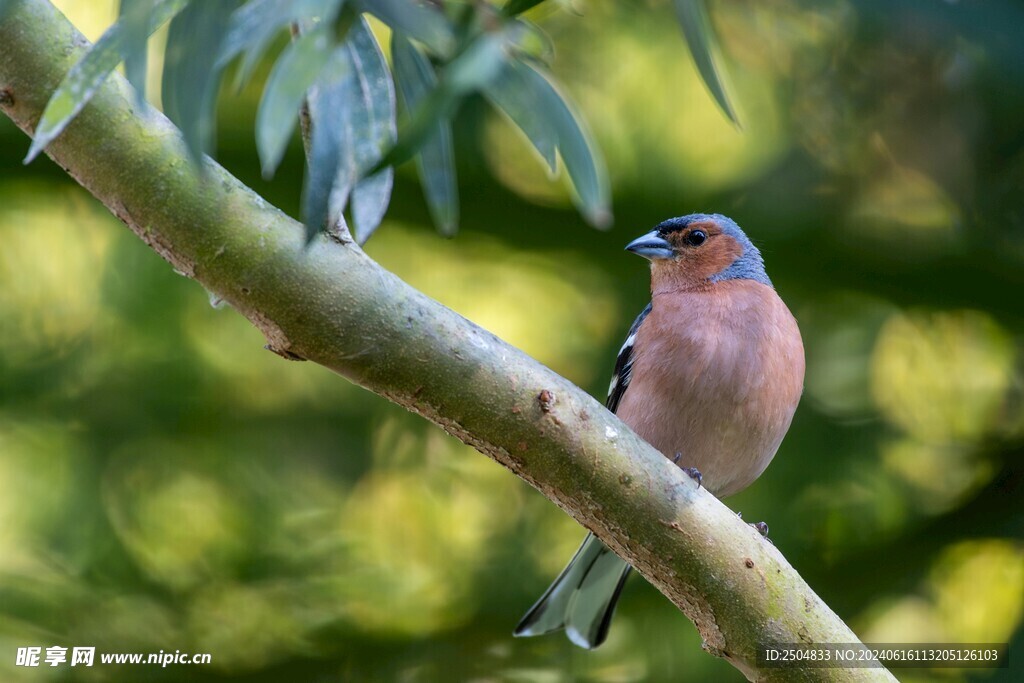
[692, 471]
[761, 528]
[695, 475]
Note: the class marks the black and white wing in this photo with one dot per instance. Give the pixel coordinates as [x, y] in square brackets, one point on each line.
[624, 364]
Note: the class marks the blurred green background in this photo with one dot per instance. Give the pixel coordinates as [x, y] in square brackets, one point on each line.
[165, 483]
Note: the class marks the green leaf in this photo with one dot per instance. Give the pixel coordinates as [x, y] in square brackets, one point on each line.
[700, 39]
[294, 72]
[352, 114]
[88, 74]
[478, 64]
[133, 15]
[435, 160]
[512, 93]
[422, 23]
[514, 8]
[370, 110]
[191, 77]
[254, 25]
[324, 161]
[579, 153]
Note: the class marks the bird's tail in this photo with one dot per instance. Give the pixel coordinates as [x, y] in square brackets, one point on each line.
[582, 599]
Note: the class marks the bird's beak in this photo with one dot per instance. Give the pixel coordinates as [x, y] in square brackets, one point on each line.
[651, 246]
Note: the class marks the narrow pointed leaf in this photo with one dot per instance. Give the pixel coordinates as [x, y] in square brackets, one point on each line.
[435, 160]
[328, 162]
[352, 115]
[371, 113]
[134, 18]
[470, 71]
[579, 153]
[295, 71]
[417, 20]
[700, 39]
[513, 93]
[191, 78]
[81, 82]
[253, 26]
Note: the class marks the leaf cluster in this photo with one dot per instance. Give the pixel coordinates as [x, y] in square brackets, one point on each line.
[334, 72]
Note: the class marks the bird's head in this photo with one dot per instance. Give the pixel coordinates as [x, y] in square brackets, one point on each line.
[696, 251]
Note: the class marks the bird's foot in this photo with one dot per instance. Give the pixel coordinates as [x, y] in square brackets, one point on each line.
[692, 471]
[762, 528]
[695, 475]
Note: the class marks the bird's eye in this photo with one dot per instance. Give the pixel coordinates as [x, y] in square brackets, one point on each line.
[696, 238]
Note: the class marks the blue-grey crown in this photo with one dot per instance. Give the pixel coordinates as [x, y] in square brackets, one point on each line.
[749, 265]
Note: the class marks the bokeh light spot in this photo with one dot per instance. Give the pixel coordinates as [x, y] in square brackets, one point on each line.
[51, 267]
[943, 376]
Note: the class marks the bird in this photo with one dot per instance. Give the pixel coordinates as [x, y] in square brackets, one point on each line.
[710, 374]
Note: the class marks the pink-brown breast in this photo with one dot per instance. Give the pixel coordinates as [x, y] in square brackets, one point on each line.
[717, 375]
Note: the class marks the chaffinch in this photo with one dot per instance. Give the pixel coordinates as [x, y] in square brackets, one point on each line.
[710, 374]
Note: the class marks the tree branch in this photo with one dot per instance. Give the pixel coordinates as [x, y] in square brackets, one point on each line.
[331, 304]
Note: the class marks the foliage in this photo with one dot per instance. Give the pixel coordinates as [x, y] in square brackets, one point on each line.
[335, 60]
